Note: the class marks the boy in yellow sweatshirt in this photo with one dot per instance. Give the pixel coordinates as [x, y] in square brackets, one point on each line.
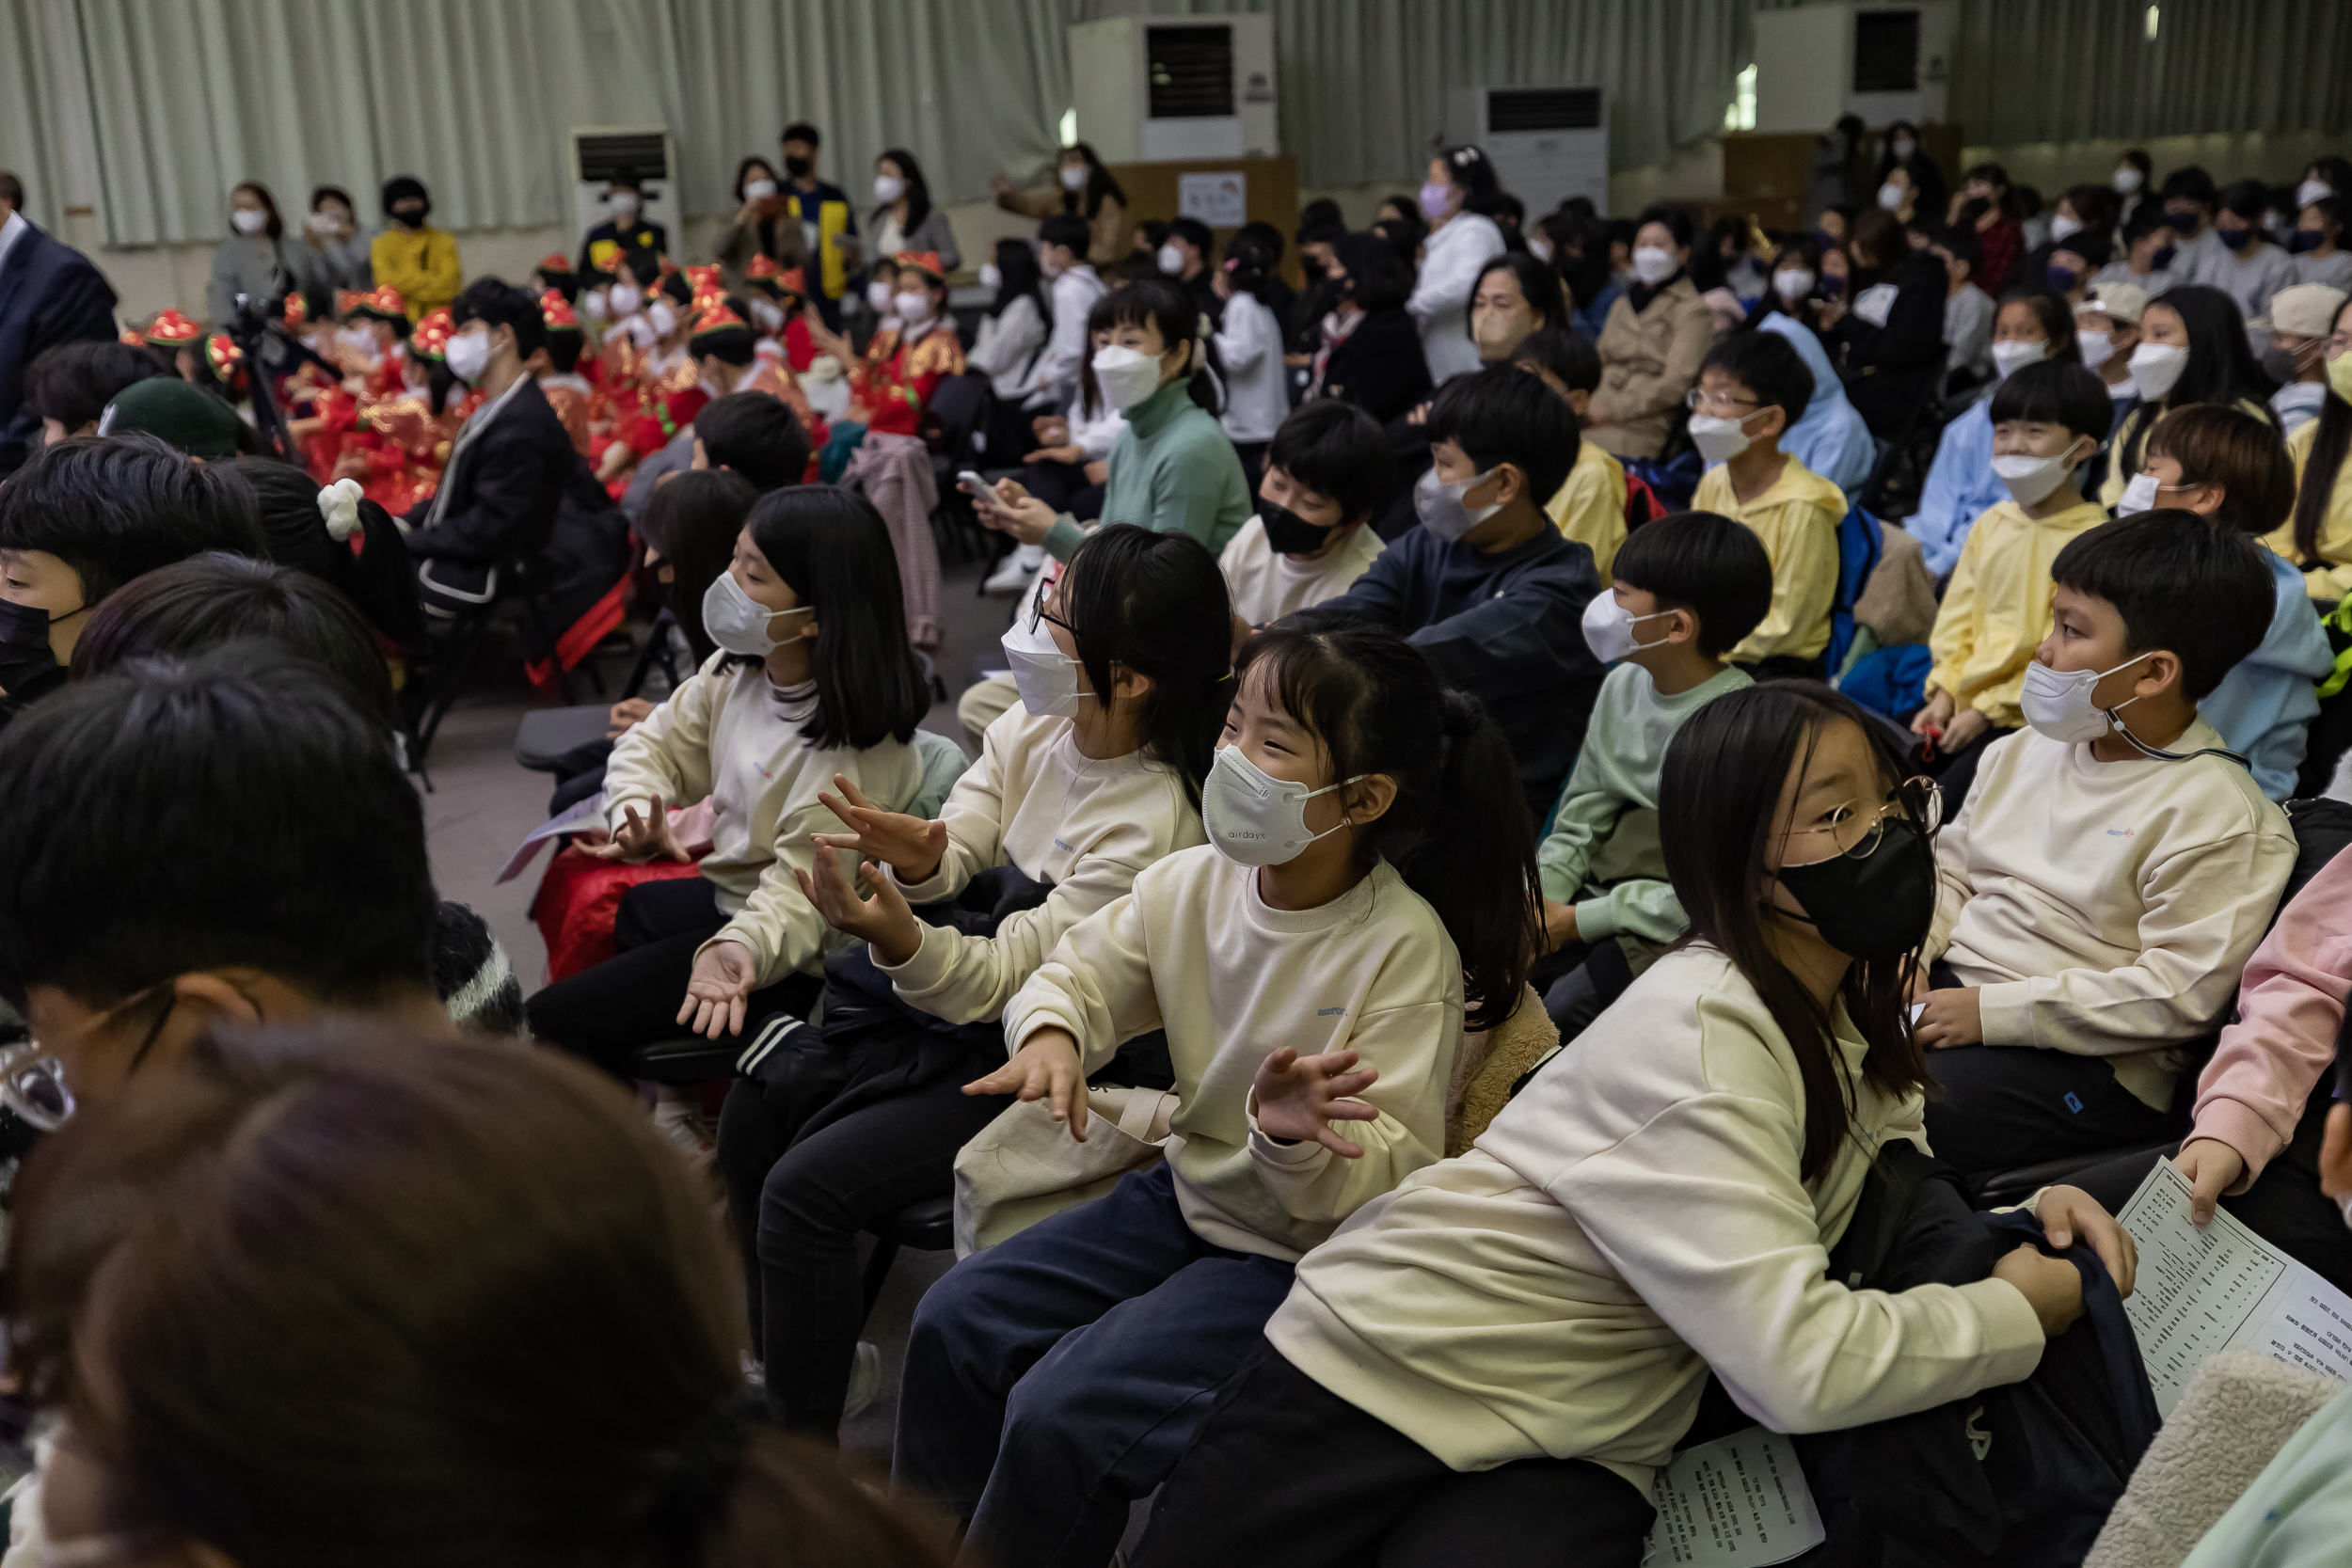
[1753, 385]
[2103, 885]
[2048, 419]
[1589, 506]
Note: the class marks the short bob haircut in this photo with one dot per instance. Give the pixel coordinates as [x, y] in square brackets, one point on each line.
[692, 520]
[2199, 593]
[1704, 563]
[1502, 414]
[1769, 366]
[2054, 391]
[1168, 309]
[2229, 447]
[834, 551]
[113, 507]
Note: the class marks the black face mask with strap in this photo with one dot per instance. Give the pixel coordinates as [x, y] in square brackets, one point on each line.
[1287, 532]
[24, 652]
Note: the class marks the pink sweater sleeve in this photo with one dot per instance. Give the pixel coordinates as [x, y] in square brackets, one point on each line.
[2289, 1006]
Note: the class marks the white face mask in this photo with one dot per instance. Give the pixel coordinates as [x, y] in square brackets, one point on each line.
[1608, 629]
[1047, 676]
[1793, 284]
[2311, 191]
[626, 297]
[1170, 260]
[739, 623]
[2029, 479]
[250, 221]
[914, 310]
[1539, 247]
[888, 188]
[664, 316]
[357, 340]
[1075, 176]
[2007, 356]
[2064, 228]
[2126, 180]
[2098, 347]
[1653, 265]
[1719, 439]
[2138, 496]
[1904, 146]
[1891, 196]
[1127, 376]
[879, 295]
[2156, 369]
[1442, 510]
[468, 355]
[758, 190]
[2059, 702]
[323, 223]
[1256, 819]
[992, 277]
[625, 204]
[769, 315]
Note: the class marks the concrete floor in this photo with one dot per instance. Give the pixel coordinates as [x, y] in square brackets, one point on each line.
[482, 804]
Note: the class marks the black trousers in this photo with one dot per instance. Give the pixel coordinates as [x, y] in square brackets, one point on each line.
[1957, 773]
[798, 1209]
[1287, 1471]
[1588, 987]
[1064, 487]
[630, 1000]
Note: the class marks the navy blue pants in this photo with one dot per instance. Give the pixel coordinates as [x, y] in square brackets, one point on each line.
[1055, 1379]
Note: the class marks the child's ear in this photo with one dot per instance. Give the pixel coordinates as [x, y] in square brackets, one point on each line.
[1684, 626]
[1578, 400]
[1367, 800]
[2161, 674]
[1776, 425]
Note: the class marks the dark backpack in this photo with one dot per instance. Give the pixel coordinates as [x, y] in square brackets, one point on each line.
[2019, 1476]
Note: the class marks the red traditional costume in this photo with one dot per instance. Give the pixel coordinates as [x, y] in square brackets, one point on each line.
[893, 384]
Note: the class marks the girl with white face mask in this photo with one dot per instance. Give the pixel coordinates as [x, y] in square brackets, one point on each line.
[256, 259]
[903, 217]
[2192, 348]
[1091, 780]
[1313, 991]
[814, 682]
[1652, 343]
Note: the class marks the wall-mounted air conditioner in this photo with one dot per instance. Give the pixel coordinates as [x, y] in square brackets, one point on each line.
[1154, 92]
[597, 152]
[1886, 63]
[1547, 144]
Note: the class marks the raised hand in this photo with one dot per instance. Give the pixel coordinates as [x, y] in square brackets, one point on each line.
[723, 976]
[1300, 1097]
[1047, 1067]
[909, 845]
[642, 837]
[883, 922]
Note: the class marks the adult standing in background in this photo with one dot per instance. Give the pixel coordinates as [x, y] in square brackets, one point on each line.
[1083, 188]
[1460, 246]
[761, 226]
[626, 231]
[828, 226]
[905, 218]
[50, 293]
[1837, 169]
[259, 260]
[411, 255]
[334, 257]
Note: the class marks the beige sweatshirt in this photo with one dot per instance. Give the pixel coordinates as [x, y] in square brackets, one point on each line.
[1033, 801]
[1265, 586]
[1194, 950]
[728, 734]
[2108, 908]
[1632, 1219]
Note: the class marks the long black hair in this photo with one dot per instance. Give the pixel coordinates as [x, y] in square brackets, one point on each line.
[692, 520]
[833, 551]
[1718, 797]
[276, 228]
[378, 579]
[1157, 604]
[2321, 465]
[1099, 184]
[2220, 369]
[1020, 278]
[1376, 705]
[919, 193]
[1179, 320]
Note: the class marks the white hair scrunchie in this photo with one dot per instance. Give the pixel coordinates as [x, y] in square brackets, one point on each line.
[338, 503]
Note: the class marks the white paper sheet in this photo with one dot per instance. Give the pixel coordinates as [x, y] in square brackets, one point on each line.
[1738, 1502]
[2221, 1286]
[587, 813]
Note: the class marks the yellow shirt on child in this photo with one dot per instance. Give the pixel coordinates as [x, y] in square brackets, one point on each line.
[2330, 577]
[1797, 518]
[1996, 611]
[1589, 506]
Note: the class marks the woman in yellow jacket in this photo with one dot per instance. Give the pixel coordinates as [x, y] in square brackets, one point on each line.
[2318, 536]
[419, 261]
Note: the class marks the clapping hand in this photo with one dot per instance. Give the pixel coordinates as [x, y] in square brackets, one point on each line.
[642, 837]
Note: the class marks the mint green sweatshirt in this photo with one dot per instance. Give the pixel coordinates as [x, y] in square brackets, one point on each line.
[1602, 855]
[1173, 470]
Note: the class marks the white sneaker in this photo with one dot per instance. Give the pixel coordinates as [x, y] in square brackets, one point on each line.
[1012, 579]
[864, 1379]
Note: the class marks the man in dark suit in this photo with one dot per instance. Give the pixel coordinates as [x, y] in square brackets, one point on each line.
[50, 293]
[510, 467]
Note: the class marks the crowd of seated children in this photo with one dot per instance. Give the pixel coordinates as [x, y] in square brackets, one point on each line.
[1689, 588]
[1327, 470]
[813, 680]
[1486, 588]
[2111, 870]
[1092, 779]
[1367, 892]
[1752, 387]
[1491, 1362]
[2048, 420]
